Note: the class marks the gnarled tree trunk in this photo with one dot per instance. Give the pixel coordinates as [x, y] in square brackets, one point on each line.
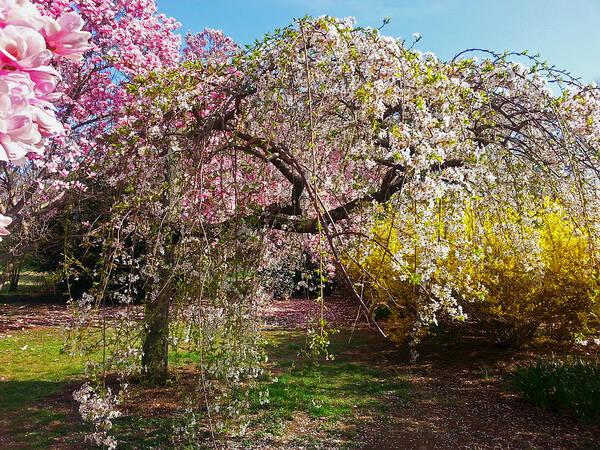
[156, 342]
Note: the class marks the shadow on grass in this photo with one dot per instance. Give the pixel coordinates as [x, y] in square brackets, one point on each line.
[39, 429]
[148, 432]
[335, 390]
[334, 393]
[26, 421]
[20, 394]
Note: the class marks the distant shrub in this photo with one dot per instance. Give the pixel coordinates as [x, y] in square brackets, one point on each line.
[572, 386]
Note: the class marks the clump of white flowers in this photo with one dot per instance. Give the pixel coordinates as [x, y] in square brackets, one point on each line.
[98, 407]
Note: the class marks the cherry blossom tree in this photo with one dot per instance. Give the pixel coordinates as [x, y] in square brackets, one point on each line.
[341, 119]
[202, 173]
[310, 132]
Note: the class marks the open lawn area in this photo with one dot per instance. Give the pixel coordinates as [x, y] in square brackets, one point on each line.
[369, 396]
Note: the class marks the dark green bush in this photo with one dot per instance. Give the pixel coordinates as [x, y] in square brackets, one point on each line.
[571, 386]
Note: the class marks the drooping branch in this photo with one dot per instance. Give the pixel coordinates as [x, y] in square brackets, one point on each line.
[278, 218]
[392, 183]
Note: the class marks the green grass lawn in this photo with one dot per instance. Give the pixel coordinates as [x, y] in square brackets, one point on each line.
[37, 378]
[330, 389]
[34, 371]
[342, 391]
[33, 367]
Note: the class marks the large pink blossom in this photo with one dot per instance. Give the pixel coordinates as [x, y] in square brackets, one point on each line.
[127, 38]
[18, 134]
[23, 48]
[46, 79]
[45, 118]
[4, 222]
[21, 13]
[25, 119]
[28, 43]
[64, 36]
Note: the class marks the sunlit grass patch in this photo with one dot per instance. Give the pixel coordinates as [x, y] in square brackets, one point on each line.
[30, 282]
[33, 367]
[329, 391]
[334, 390]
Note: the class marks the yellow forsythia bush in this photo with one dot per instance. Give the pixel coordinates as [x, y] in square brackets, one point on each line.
[388, 268]
[512, 274]
[385, 286]
[519, 274]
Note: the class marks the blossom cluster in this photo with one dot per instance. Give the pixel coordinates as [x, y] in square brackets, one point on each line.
[99, 409]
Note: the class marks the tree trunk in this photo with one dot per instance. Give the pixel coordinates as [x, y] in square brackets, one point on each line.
[156, 342]
[155, 358]
[15, 274]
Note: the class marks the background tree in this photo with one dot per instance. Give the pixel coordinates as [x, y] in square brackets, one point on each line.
[29, 42]
[128, 39]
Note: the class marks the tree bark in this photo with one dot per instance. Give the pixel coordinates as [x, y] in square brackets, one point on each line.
[155, 359]
[14, 278]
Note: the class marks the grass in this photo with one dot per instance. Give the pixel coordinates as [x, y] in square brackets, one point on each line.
[148, 432]
[33, 367]
[312, 402]
[332, 391]
[34, 370]
[571, 386]
[30, 282]
[325, 393]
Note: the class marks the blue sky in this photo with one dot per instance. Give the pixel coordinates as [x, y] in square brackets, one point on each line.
[566, 33]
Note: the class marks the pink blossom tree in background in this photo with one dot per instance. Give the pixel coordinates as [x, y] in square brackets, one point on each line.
[29, 45]
[126, 39]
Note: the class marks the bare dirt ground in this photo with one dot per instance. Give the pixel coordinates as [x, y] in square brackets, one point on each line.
[460, 398]
[21, 317]
[27, 315]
